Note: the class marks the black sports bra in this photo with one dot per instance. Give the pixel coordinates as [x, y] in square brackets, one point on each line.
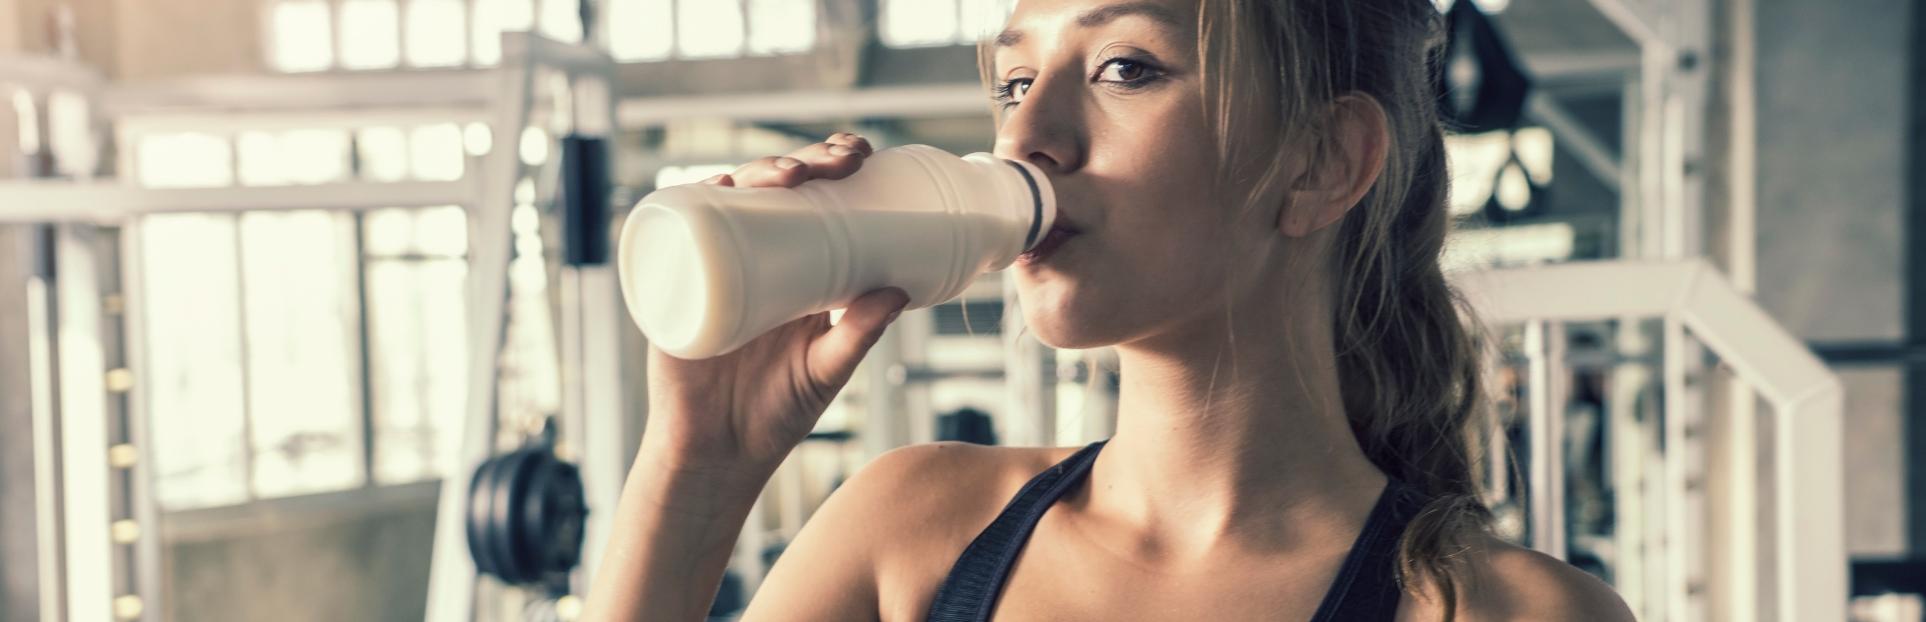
[1366, 587]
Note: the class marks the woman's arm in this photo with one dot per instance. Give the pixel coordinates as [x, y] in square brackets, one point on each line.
[675, 530]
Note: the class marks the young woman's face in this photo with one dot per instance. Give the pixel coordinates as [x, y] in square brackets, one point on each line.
[1104, 95]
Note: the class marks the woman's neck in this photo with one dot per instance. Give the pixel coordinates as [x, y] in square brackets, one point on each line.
[1238, 442]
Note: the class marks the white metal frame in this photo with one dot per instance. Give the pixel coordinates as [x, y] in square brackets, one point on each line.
[1810, 579]
[590, 412]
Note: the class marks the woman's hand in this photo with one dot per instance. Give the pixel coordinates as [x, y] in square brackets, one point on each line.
[742, 412]
[718, 427]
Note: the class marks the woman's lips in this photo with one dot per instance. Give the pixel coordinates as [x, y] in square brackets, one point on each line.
[1051, 241]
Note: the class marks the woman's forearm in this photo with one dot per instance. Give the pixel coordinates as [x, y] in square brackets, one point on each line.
[671, 538]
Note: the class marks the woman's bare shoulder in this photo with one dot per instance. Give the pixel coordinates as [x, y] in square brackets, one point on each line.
[934, 484]
[1508, 582]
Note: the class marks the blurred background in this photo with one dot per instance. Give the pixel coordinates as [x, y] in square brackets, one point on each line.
[306, 310]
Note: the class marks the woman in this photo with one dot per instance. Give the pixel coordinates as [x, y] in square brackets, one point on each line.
[1251, 210]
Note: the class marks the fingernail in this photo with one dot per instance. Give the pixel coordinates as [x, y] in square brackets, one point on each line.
[788, 163]
[839, 150]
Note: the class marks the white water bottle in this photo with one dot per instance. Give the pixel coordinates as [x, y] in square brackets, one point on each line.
[706, 268]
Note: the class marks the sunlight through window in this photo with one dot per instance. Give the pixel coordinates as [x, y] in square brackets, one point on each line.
[708, 29]
[370, 34]
[434, 33]
[300, 36]
[640, 30]
[919, 23]
[781, 26]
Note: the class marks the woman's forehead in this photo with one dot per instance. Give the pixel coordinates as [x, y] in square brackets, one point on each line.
[1049, 17]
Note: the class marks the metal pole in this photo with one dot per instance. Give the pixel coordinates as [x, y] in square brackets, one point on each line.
[452, 580]
[1546, 425]
[1030, 420]
[83, 435]
[148, 570]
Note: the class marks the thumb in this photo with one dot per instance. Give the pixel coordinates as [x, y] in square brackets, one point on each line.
[833, 356]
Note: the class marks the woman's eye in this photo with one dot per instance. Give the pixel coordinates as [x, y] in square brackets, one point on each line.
[1123, 70]
[1012, 92]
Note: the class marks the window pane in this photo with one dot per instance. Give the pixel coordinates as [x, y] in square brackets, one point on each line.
[919, 23]
[370, 34]
[302, 342]
[192, 305]
[185, 160]
[70, 132]
[781, 26]
[435, 37]
[293, 157]
[640, 30]
[486, 29]
[440, 232]
[437, 152]
[562, 20]
[708, 28]
[27, 113]
[982, 19]
[417, 336]
[382, 153]
[300, 36]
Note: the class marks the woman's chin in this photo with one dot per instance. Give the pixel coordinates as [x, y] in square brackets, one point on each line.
[1066, 331]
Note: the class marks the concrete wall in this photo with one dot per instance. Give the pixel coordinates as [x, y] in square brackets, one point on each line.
[170, 38]
[364, 562]
[1833, 102]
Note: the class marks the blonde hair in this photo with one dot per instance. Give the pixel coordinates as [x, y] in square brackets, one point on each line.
[1408, 360]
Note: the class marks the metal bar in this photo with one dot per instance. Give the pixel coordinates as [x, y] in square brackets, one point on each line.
[1913, 218]
[1809, 529]
[149, 568]
[1546, 406]
[43, 317]
[247, 386]
[415, 88]
[1809, 540]
[1677, 455]
[52, 201]
[452, 579]
[201, 120]
[366, 360]
[605, 456]
[1634, 18]
[48, 73]
[83, 434]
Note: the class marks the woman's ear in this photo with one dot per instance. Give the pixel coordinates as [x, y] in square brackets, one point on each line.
[1344, 163]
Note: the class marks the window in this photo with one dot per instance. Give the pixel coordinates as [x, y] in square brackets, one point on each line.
[652, 30]
[1481, 165]
[299, 38]
[370, 34]
[926, 23]
[319, 35]
[303, 351]
[416, 262]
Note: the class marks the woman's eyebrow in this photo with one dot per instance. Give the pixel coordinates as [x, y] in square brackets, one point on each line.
[1104, 15]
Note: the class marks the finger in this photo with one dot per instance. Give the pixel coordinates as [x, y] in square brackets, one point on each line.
[778, 171]
[720, 180]
[828, 160]
[851, 140]
[832, 357]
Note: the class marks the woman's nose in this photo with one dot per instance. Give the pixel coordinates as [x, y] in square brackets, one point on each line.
[1044, 130]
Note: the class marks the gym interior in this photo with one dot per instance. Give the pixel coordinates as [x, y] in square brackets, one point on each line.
[309, 309]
